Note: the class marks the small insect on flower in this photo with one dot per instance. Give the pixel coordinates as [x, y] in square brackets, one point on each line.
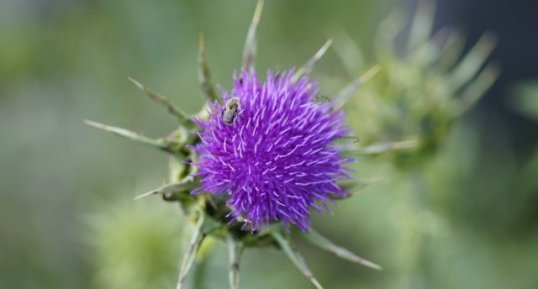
[231, 109]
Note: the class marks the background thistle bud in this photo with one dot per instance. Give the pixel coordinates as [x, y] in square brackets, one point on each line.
[424, 85]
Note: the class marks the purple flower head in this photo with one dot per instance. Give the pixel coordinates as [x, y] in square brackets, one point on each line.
[269, 147]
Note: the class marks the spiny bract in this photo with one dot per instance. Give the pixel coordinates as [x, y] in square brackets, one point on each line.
[276, 159]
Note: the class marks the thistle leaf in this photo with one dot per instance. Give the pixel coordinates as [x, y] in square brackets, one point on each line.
[181, 116]
[295, 257]
[343, 96]
[327, 245]
[235, 249]
[158, 143]
[308, 67]
[192, 249]
[204, 73]
[249, 52]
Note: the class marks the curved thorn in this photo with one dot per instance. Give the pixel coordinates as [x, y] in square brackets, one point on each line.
[309, 65]
[478, 87]
[147, 194]
[181, 116]
[204, 73]
[389, 146]
[192, 249]
[249, 52]
[342, 97]
[296, 258]
[129, 135]
[322, 242]
[164, 190]
[472, 63]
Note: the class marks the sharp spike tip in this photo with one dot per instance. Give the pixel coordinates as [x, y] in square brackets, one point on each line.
[181, 116]
[308, 67]
[345, 94]
[249, 51]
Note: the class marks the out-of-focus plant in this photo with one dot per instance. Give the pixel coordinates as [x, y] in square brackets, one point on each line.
[135, 245]
[526, 100]
[425, 83]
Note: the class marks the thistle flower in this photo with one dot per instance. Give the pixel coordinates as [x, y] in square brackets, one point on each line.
[262, 153]
[276, 159]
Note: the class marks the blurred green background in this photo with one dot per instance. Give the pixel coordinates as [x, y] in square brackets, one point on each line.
[67, 219]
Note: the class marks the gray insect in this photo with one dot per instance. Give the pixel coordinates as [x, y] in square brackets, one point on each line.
[231, 108]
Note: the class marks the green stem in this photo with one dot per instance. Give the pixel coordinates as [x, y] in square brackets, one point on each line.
[200, 273]
[419, 206]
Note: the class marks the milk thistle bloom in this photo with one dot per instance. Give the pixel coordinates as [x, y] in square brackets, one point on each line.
[257, 160]
[276, 159]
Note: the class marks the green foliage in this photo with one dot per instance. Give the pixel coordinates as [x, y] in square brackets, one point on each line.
[423, 86]
[136, 243]
[526, 99]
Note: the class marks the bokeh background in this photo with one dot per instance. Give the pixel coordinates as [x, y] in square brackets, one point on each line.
[67, 218]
